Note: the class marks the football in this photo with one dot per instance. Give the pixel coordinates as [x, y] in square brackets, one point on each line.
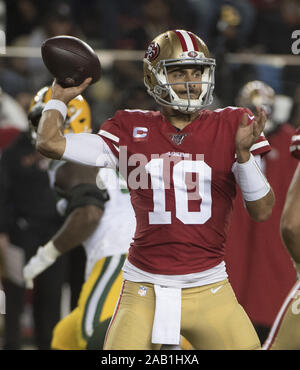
[70, 60]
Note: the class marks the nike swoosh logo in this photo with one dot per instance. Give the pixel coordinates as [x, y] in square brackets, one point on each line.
[214, 291]
[251, 117]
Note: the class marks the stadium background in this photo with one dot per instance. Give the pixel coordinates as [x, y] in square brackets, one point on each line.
[250, 39]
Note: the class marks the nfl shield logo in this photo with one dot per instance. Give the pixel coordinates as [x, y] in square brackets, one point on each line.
[178, 138]
[142, 290]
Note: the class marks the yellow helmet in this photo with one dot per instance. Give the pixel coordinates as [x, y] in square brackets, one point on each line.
[78, 115]
[178, 48]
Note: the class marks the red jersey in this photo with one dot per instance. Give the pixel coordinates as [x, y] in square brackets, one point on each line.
[181, 183]
[259, 267]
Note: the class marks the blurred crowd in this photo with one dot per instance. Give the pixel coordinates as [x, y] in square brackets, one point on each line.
[227, 26]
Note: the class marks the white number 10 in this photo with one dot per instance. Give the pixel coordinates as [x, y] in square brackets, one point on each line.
[159, 215]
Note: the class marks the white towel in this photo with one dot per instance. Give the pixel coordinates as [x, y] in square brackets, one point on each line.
[167, 317]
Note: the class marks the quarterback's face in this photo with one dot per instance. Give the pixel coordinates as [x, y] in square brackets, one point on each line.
[180, 75]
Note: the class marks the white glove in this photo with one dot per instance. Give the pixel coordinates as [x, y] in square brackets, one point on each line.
[44, 258]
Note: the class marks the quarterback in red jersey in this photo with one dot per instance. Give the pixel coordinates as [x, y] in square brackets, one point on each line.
[182, 166]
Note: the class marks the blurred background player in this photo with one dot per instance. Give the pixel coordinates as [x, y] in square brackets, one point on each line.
[13, 120]
[260, 268]
[102, 220]
[28, 217]
[285, 332]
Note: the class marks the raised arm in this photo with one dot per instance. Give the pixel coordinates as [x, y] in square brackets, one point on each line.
[50, 138]
[82, 148]
[257, 192]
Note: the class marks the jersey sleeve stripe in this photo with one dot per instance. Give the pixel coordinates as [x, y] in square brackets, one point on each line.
[117, 149]
[294, 147]
[259, 145]
[108, 135]
[137, 110]
[296, 137]
[110, 145]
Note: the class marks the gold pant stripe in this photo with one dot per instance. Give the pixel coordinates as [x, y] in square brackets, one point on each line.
[115, 312]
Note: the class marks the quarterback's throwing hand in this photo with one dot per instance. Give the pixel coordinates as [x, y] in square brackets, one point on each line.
[68, 93]
[248, 134]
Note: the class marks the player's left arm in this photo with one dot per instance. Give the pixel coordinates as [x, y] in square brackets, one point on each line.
[257, 193]
[290, 219]
[78, 226]
[85, 205]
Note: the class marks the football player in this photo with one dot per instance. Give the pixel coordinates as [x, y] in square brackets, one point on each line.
[182, 166]
[94, 218]
[257, 247]
[259, 94]
[285, 332]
